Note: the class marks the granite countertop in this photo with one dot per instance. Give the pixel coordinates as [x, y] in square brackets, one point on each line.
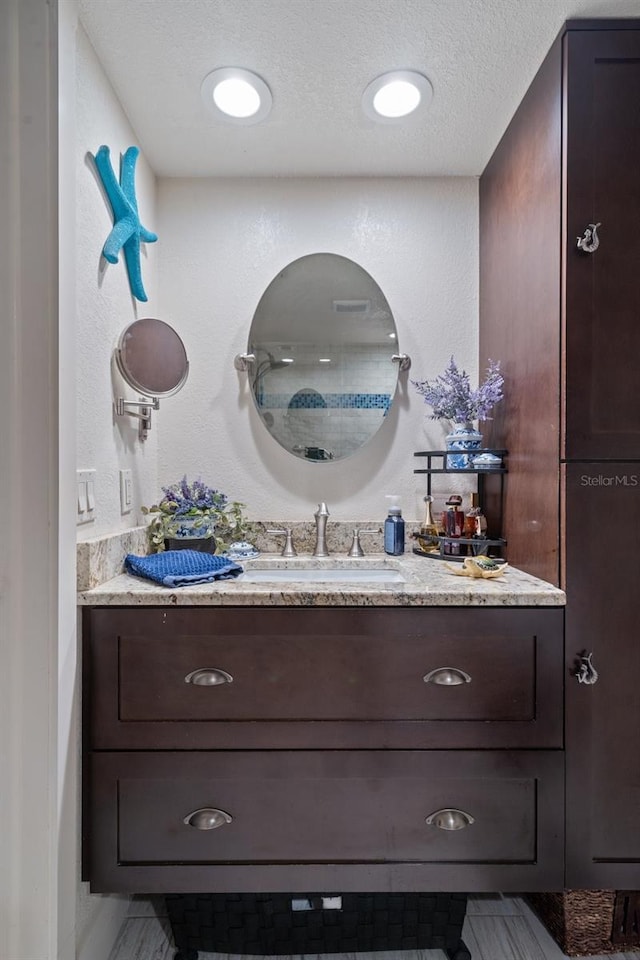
[426, 582]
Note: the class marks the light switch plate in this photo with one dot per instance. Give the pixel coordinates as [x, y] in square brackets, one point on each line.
[126, 491]
[86, 497]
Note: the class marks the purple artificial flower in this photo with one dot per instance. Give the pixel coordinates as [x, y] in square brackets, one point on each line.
[191, 498]
[452, 398]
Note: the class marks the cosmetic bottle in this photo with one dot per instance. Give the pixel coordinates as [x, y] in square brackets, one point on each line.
[428, 533]
[453, 523]
[476, 524]
[428, 527]
[394, 528]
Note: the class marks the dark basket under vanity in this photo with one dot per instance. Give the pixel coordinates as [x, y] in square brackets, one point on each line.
[265, 924]
[585, 922]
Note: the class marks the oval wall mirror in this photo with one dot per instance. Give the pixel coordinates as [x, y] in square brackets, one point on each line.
[152, 359]
[321, 350]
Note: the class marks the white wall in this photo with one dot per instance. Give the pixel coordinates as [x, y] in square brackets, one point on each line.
[221, 244]
[105, 305]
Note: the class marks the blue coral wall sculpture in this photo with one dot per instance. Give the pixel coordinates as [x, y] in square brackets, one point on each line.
[127, 232]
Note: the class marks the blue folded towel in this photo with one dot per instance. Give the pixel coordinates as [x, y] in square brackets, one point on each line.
[179, 568]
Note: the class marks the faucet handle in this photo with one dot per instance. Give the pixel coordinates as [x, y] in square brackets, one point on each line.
[288, 550]
[356, 547]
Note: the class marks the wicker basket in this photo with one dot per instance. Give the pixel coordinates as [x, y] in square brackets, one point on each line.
[585, 922]
[267, 924]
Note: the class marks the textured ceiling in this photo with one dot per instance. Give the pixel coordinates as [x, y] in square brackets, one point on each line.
[318, 56]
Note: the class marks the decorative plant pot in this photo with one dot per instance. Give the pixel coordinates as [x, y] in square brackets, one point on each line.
[463, 436]
[191, 533]
[201, 544]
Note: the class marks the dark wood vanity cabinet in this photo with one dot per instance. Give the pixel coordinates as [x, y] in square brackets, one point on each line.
[328, 737]
[564, 320]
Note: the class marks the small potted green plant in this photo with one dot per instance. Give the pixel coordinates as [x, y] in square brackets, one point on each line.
[196, 517]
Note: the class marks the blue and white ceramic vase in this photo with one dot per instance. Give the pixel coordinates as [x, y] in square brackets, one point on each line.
[464, 437]
[190, 533]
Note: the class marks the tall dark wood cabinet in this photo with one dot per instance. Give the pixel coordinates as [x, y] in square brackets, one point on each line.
[603, 719]
[565, 322]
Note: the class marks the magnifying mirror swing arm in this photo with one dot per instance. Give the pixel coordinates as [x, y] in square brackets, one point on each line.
[144, 416]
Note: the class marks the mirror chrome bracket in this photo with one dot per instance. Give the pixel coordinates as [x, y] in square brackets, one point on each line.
[144, 415]
[242, 361]
[403, 360]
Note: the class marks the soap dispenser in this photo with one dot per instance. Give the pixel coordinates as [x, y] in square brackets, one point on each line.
[394, 528]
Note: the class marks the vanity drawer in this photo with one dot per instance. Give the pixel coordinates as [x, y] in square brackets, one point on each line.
[298, 678]
[348, 820]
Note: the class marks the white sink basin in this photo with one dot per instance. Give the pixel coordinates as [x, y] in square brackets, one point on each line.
[325, 574]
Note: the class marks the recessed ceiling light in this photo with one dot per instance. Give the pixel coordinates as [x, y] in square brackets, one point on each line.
[394, 96]
[236, 95]
[324, 359]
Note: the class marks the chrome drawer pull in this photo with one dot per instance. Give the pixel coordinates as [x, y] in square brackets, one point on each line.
[207, 818]
[450, 819]
[447, 676]
[208, 677]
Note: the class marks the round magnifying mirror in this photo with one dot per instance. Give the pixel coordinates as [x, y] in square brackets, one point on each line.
[151, 357]
[322, 375]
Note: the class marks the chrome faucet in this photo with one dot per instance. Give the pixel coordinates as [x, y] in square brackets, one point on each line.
[321, 515]
[288, 550]
[356, 547]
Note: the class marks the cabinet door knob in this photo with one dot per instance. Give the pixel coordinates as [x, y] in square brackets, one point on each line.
[447, 676]
[449, 819]
[585, 670]
[589, 241]
[207, 818]
[208, 677]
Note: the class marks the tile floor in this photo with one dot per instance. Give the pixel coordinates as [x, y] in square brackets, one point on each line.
[497, 928]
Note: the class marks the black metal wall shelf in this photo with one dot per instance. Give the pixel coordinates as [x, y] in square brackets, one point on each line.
[443, 455]
[479, 548]
[470, 546]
